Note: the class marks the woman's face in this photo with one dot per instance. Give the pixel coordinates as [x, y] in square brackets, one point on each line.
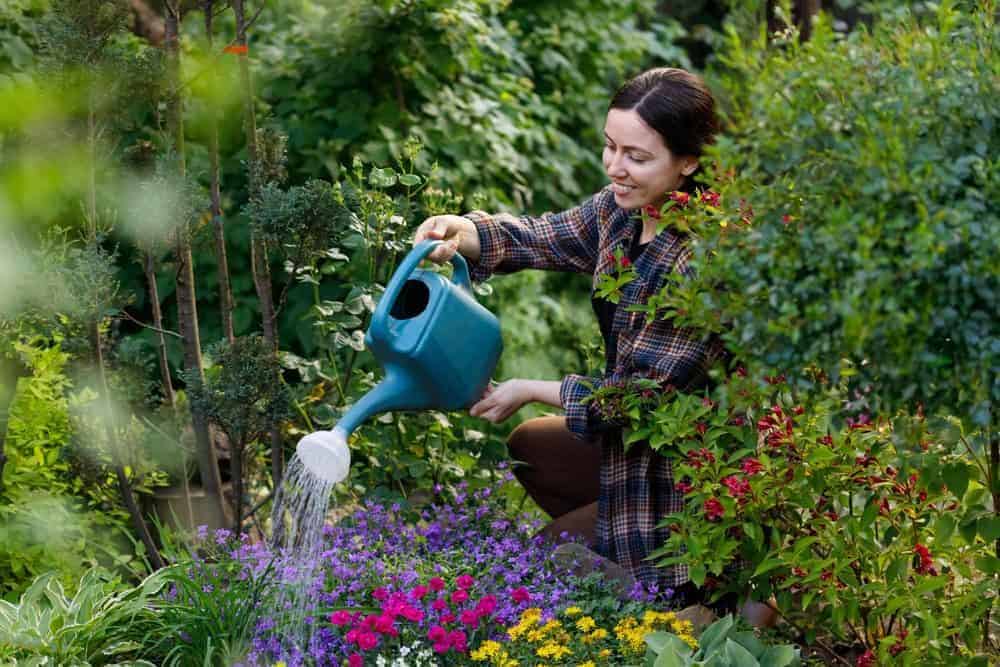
[641, 167]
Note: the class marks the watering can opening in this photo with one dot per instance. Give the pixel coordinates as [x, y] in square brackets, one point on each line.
[412, 300]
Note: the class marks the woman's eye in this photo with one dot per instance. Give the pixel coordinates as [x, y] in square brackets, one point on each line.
[638, 160]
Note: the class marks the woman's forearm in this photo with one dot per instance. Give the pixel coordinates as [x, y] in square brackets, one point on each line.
[545, 391]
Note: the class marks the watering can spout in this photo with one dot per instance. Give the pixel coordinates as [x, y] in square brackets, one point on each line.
[396, 391]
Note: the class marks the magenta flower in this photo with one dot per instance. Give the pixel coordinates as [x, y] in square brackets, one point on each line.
[459, 596]
[419, 591]
[464, 581]
[339, 618]
[436, 583]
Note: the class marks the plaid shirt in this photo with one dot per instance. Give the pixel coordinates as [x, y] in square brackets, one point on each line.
[637, 487]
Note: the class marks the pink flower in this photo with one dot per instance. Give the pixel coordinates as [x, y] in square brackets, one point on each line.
[458, 640]
[926, 565]
[713, 509]
[469, 617]
[412, 614]
[355, 660]
[487, 605]
[436, 633]
[464, 581]
[683, 487]
[447, 618]
[751, 466]
[441, 647]
[386, 625]
[419, 591]
[341, 617]
[520, 595]
[866, 659]
[459, 596]
[367, 641]
[436, 583]
[380, 593]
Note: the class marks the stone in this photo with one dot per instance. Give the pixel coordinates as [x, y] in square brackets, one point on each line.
[580, 561]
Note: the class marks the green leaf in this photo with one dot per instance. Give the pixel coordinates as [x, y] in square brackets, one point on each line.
[988, 564]
[944, 528]
[749, 641]
[956, 476]
[989, 528]
[670, 659]
[409, 180]
[715, 634]
[780, 656]
[739, 656]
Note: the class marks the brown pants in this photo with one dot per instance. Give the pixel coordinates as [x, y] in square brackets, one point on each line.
[561, 473]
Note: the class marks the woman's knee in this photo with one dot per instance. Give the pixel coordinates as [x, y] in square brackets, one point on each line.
[526, 441]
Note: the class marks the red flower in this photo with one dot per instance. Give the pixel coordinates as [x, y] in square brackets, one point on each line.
[419, 591]
[713, 509]
[380, 593]
[436, 583]
[487, 605]
[683, 487]
[737, 421]
[827, 440]
[340, 617]
[367, 641]
[520, 595]
[926, 564]
[751, 466]
[469, 617]
[236, 49]
[651, 211]
[682, 198]
[710, 198]
[786, 219]
[737, 487]
[355, 660]
[862, 422]
[459, 596]
[464, 581]
[626, 262]
[437, 634]
[701, 427]
[866, 659]
[775, 379]
[439, 604]
[899, 646]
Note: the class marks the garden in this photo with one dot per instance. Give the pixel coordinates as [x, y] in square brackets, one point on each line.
[202, 204]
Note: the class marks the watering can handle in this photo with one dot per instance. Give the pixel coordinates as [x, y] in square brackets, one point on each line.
[406, 267]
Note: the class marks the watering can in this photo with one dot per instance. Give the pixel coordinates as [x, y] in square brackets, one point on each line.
[437, 344]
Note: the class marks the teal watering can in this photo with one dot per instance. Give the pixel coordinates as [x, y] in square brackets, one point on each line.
[437, 344]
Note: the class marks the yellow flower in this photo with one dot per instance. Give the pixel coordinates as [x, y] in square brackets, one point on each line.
[573, 611]
[586, 624]
[589, 663]
[553, 650]
[598, 634]
[487, 650]
[605, 653]
[280, 663]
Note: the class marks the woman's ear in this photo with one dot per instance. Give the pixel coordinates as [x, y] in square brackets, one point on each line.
[689, 165]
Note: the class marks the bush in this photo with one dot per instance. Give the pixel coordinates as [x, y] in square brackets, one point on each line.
[870, 162]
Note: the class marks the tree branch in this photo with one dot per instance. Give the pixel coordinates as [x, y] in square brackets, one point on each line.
[150, 326]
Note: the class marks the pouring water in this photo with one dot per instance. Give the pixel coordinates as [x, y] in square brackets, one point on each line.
[326, 455]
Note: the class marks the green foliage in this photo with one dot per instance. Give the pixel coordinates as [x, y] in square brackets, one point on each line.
[507, 97]
[47, 627]
[209, 615]
[19, 34]
[871, 163]
[720, 645]
[242, 391]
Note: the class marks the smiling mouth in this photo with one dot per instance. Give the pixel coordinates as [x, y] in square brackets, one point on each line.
[621, 189]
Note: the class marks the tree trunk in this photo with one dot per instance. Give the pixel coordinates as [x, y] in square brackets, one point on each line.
[236, 471]
[187, 308]
[149, 267]
[117, 454]
[11, 370]
[803, 12]
[218, 225]
[258, 247]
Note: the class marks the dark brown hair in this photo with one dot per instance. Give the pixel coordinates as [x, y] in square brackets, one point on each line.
[675, 103]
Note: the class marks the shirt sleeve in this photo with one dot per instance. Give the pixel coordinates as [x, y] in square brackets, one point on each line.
[566, 241]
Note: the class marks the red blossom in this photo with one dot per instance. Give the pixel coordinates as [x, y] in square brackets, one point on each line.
[827, 440]
[862, 422]
[464, 581]
[751, 466]
[651, 211]
[737, 487]
[786, 219]
[738, 421]
[899, 646]
[926, 564]
[709, 197]
[775, 379]
[520, 595]
[866, 659]
[701, 427]
[682, 198]
[713, 509]
[799, 572]
[683, 487]
[741, 371]
[798, 409]
[626, 262]
[355, 660]
[436, 583]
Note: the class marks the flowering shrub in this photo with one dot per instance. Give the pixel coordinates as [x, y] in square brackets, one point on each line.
[572, 637]
[855, 533]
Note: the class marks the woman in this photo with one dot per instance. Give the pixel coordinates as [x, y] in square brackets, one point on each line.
[657, 127]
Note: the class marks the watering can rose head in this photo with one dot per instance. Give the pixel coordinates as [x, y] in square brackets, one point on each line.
[326, 455]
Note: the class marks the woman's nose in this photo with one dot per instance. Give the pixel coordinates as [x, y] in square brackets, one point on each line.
[616, 165]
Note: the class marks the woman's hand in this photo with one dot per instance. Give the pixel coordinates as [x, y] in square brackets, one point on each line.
[501, 401]
[459, 234]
